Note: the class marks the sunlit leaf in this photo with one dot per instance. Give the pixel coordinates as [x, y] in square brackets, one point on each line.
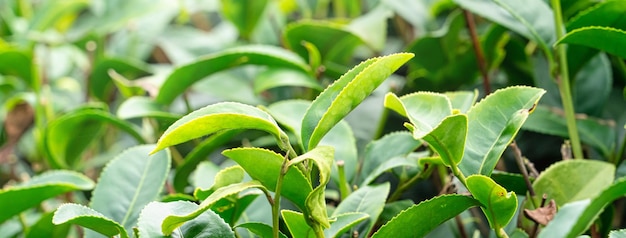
[88, 218]
[498, 205]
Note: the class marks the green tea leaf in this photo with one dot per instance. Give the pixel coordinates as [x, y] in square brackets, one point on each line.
[368, 200]
[65, 144]
[244, 15]
[394, 162]
[264, 166]
[345, 94]
[498, 205]
[50, 13]
[183, 77]
[174, 221]
[462, 100]
[88, 218]
[611, 39]
[493, 123]
[574, 218]
[130, 181]
[344, 222]
[563, 182]
[511, 181]
[296, 224]
[100, 82]
[224, 177]
[448, 139]
[260, 229]
[447, 207]
[207, 224]
[424, 110]
[39, 189]
[322, 157]
[274, 78]
[45, 228]
[219, 117]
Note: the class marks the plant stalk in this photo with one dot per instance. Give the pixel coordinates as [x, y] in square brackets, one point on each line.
[344, 187]
[480, 57]
[520, 163]
[406, 185]
[563, 81]
[276, 202]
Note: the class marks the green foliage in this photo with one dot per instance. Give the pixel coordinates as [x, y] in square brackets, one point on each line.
[311, 118]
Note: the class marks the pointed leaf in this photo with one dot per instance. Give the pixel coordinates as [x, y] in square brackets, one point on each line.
[88, 218]
[129, 182]
[174, 221]
[563, 183]
[207, 224]
[183, 77]
[575, 218]
[322, 157]
[493, 123]
[38, 189]
[345, 94]
[264, 166]
[424, 110]
[219, 117]
[65, 144]
[447, 207]
[369, 200]
[611, 38]
[101, 85]
[498, 205]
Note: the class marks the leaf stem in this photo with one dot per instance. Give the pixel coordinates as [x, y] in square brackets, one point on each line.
[500, 233]
[563, 81]
[480, 57]
[276, 202]
[344, 186]
[458, 174]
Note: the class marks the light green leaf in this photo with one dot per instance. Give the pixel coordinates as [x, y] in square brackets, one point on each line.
[296, 224]
[50, 13]
[532, 19]
[199, 154]
[448, 139]
[130, 181]
[65, 144]
[377, 153]
[618, 233]
[289, 113]
[260, 229]
[88, 218]
[315, 209]
[345, 94]
[493, 123]
[274, 78]
[207, 224]
[462, 100]
[224, 177]
[563, 182]
[498, 205]
[574, 218]
[447, 207]
[174, 221]
[425, 110]
[372, 27]
[611, 38]
[219, 117]
[38, 189]
[387, 165]
[183, 77]
[244, 15]
[142, 107]
[343, 223]
[368, 200]
[264, 166]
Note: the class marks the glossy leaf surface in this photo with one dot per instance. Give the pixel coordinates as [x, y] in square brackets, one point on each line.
[447, 207]
[334, 103]
[88, 218]
[498, 205]
[493, 123]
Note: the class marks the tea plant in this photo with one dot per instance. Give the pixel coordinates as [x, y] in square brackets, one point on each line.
[396, 118]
